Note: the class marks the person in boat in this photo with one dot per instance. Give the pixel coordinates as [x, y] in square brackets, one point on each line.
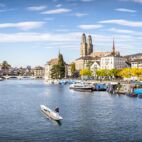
[57, 109]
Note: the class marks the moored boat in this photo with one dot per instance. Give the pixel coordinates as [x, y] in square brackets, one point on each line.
[140, 95]
[100, 87]
[81, 87]
[132, 95]
[1, 79]
[50, 113]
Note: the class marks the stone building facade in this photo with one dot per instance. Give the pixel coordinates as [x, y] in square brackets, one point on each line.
[38, 72]
[86, 48]
[137, 63]
[113, 62]
[48, 67]
[82, 62]
[50, 64]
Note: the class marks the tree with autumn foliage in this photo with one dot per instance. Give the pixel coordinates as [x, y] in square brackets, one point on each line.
[85, 72]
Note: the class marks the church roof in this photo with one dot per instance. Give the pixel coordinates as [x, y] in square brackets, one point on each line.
[88, 58]
[112, 55]
[100, 54]
[53, 61]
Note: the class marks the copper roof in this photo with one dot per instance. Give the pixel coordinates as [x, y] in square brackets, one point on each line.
[100, 54]
[53, 61]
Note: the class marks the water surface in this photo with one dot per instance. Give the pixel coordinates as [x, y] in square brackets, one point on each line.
[88, 117]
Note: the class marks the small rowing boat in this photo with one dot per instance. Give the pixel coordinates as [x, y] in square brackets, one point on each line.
[50, 113]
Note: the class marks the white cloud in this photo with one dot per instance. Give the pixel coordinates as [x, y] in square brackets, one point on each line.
[123, 22]
[86, 0]
[56, 11]
[138, 1]
[88, 27]
[121, 31]
[59, 5]
[37, 8]
[124, 31]
[2, 5]
[65, 40]
[62, 30]
[48, 18]
[81, 14]
[5, 10]
[125, 10]
[40, 37]
[23, 25]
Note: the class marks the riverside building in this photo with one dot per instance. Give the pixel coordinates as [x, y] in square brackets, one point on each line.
[39, 72]
[87, 53]
[113, 60]
[137, 63]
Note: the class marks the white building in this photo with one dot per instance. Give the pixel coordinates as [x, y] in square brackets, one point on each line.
[136, 63]
[39, 72]
[82, 62]
[113, 62]
[48, 68]
[95, 66]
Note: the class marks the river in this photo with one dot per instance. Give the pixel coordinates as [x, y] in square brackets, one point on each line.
[87, 117]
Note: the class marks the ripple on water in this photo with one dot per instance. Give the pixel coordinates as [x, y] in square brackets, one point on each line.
[91, 117]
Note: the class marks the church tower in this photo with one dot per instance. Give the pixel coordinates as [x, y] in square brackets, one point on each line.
[83, 47]
[89, 45]
[113, 48]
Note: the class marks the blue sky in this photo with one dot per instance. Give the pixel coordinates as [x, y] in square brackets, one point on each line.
[33, 31]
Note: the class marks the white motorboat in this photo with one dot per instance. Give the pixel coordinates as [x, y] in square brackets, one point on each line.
[50, 113]
[1, 79]
[81, 86]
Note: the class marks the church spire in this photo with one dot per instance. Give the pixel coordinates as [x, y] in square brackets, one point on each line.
[113, 48]
[59, 51]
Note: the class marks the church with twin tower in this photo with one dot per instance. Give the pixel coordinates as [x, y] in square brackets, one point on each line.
[88, 55]
[86, 47]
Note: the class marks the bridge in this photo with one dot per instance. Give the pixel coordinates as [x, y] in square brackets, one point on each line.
[20, 77]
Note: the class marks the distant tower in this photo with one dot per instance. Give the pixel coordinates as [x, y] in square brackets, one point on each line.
[83, 47]
[89, 45]
[113, 48]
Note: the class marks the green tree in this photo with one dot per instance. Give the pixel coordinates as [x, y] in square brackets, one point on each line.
[73, 69]
[113, 73]
[102, 72]
[5, 67]
[55, 72]
[85, 72]
[58, 71]
[130, 72]
[89, 64]
[61, 65]
[125, 73]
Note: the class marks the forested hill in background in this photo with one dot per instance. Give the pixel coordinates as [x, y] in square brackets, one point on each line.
[134, 56]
